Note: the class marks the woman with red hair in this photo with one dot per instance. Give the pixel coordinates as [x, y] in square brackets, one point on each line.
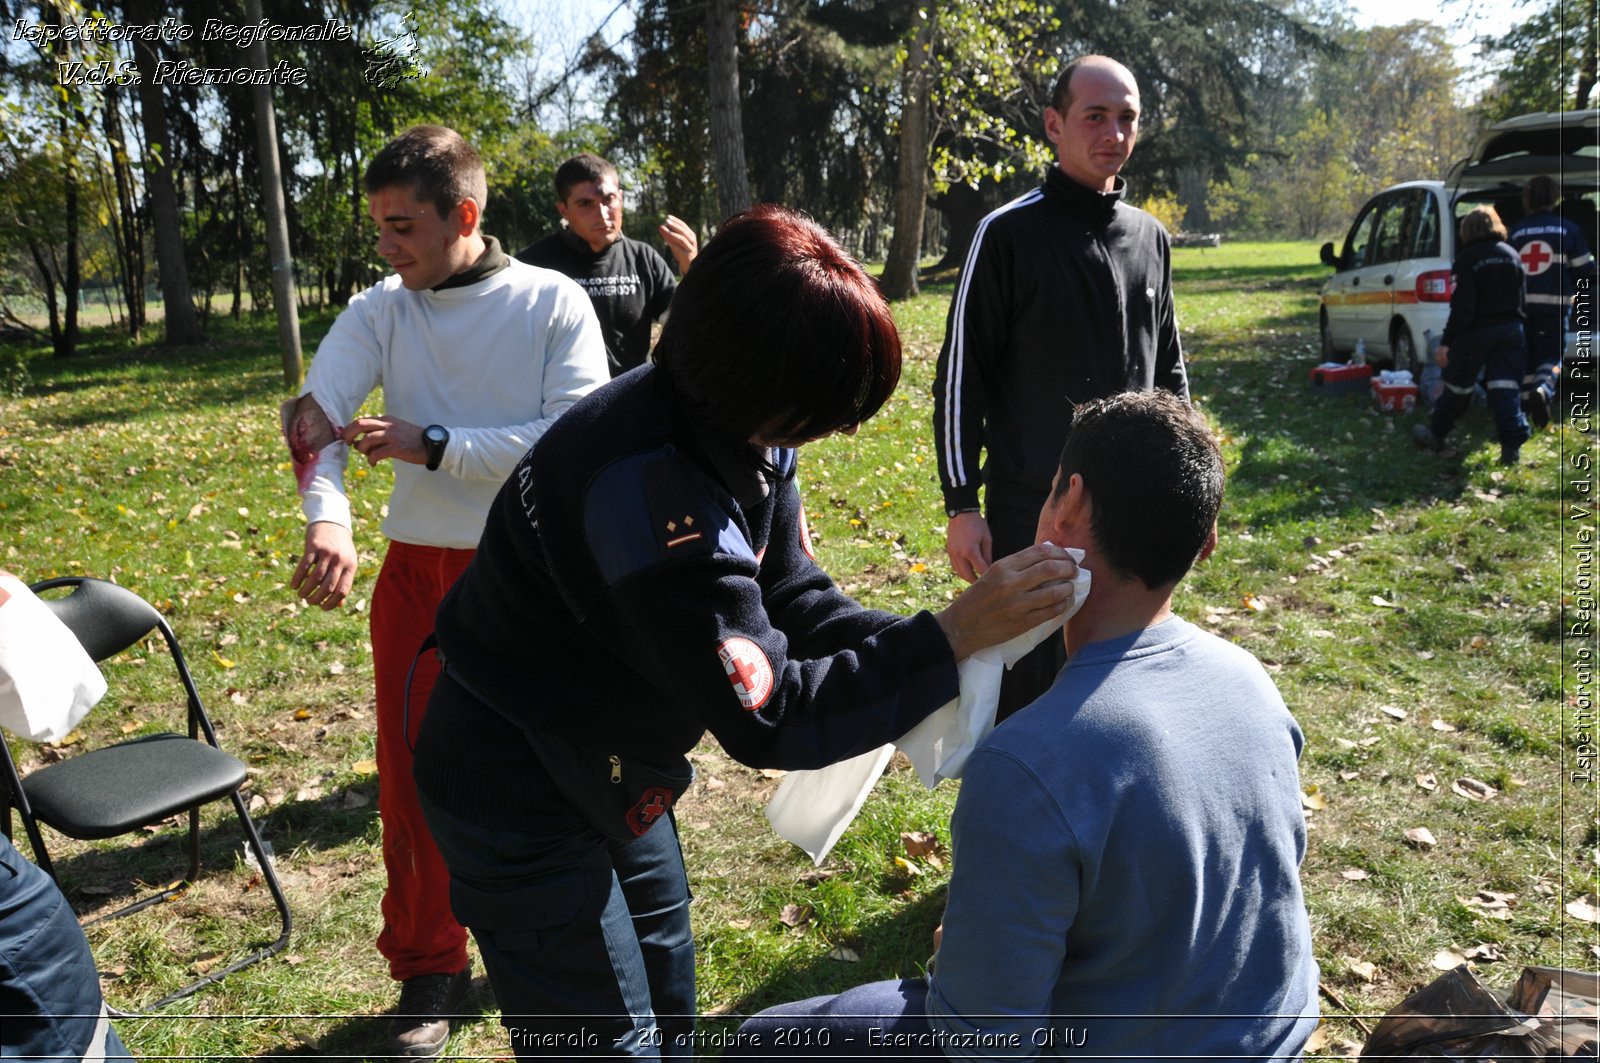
[645, 576]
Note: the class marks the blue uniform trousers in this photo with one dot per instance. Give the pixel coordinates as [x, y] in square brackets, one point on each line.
[1498, 353]
[1547, 337]
[879, 1020]
[50, 1002]
[586, 940]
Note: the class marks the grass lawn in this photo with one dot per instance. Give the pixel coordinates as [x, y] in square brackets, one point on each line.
[1414, 610]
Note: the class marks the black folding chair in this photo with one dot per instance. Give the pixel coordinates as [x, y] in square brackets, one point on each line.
[119, 789]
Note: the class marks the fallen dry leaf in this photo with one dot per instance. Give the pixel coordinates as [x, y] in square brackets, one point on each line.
[1382, 603]
[1442, 725]
[294, 959]
[796, 915]
[1428, 780]
[1584, 909]
[354, 799]
[1488, 952]
[365, 767]
[741, 924]
[907, 866]
[1472, 789]
[1349, 776]
[919, 842]
[1352, 874]
[1254, 604]
[302, 714]
[1446, 960]
[1313, 800]
[1365, 970]
[1421, 838]
[844, 954]
[1393, 710]
[1317, 1041]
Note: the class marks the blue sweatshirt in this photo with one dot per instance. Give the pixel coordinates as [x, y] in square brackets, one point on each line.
[1126, 865]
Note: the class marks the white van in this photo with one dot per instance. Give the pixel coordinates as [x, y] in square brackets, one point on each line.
[1391, 284]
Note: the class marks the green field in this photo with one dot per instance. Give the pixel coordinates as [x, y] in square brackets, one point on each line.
[1410, 607]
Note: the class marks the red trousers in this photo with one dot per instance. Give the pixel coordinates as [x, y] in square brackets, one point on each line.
[420, 935]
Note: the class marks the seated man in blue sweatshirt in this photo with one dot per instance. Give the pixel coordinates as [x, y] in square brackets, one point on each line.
[1127, 848]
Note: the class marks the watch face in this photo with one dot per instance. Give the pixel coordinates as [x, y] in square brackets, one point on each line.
[434, 434]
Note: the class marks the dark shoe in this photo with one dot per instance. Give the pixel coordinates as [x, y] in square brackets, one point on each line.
[1538, 408]
[1510, 453]
[422, 1018]
[1425, 438]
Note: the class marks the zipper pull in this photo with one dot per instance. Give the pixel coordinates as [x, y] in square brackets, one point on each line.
[616, 768]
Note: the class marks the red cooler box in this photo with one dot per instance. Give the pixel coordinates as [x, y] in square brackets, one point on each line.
[1337, 379]
[1394, 398]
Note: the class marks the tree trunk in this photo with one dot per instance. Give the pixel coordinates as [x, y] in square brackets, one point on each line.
[48, 275]
[237, 277]
[963, 208]
[283, 294]
[126, 228]
[727, 129]
[911, 182]
[66, 342]
[182, 325]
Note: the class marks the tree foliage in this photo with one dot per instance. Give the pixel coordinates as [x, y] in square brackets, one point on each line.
[1548, 60]
[1266, 117]
[1327, 157]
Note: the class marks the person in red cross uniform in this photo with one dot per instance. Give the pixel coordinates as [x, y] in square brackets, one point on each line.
[1483, 335]
[646, 576]
[1557, 263]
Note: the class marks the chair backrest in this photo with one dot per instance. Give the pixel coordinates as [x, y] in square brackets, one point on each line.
[105, 617]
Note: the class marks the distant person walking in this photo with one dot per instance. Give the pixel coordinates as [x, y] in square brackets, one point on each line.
[1483, 335]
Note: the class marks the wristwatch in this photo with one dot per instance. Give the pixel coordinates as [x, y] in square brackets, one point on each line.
[434, 438]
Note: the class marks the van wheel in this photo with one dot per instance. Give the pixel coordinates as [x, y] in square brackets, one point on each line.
[1405, 350]
[1328, 353]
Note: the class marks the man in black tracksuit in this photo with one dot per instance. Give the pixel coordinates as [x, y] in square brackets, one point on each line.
[1066, 296]
[627, 280]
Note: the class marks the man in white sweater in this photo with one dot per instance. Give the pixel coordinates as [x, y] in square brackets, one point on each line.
[477, 355]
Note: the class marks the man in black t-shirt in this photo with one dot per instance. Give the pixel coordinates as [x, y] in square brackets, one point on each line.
[628, 281]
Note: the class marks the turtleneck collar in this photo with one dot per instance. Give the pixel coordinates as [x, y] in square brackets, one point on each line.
[492, 261]
[581, 246]
[1090, 204]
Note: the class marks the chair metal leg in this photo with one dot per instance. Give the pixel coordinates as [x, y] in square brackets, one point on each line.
[270, 876]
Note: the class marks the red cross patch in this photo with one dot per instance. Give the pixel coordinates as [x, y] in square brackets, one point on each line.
[1536, 257]
[748, 670]
[651, 806]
